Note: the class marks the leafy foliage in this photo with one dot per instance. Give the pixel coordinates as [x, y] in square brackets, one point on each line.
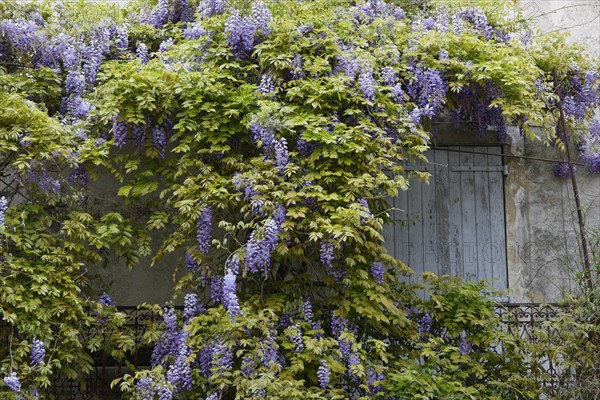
[258, 142]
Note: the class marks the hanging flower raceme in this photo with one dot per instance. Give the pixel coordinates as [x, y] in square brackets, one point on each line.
[13, 382]
[230, 299]
[3, 208]
[324, 374]
[240, 33]
[208, 8]
[562, 170]
[141, 52]
[38, 352]
[204, 229]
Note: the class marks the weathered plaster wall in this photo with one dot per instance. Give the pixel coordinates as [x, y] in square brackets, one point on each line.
[541, 223]
[543, 253]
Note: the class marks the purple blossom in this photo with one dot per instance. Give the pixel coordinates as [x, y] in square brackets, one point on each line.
[367, 84]
[144, 388]
[305, 148]
[190, 263]
[374, 379]
[345, 347]
[282, 157]
[222, 358]
[230, 299]
[326, 254]
[429, 24]
[141, 52]
[270, 352]
[305, 29]
[78, 176]
[443, 54]
[106, 300]
[204, 229]
[261, 16]
[324, 374]
[248, 367]
[75, 82]
[138, 136]
[280, 216]
[160, 14]
[267, 85]
[296, 67]
[179, 374]
[263, 134]
[307, 310]
[165, 45]
[442, 22]
[78, 107]
[92, 58]
[562, 170]
[259, 249]
[378, 271]
[38, 352]
[388, 76]
[398, 93]
[464, 347]
[216, 289]
[121, 37]
[13, 382]
[193, 32]
[120, 129]
[477, 18]
[415, 116]
[296, 338]
[46, 183]
[159, 139]
[233, 263]
[574, 108]
[399, 13]
[3, 208]
[240, 33]
[191, 306]
[592, 162]
[348, 67]
[205, 359]
[164, 393]
[425, 323]
[208, 8]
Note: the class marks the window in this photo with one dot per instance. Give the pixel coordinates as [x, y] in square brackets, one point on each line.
[455, 224]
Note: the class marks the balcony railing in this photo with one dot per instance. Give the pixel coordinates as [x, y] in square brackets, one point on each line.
[519, 319]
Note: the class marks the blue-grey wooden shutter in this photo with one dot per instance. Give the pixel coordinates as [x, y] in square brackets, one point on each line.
[455, 224]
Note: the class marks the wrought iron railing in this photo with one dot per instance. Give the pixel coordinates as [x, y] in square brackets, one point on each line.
[519, 319]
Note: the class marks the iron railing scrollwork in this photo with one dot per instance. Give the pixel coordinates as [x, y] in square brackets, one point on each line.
[521, 320]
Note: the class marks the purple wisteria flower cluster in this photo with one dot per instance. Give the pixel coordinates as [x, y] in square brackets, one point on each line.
[38, 352]
[260, 247]
[241, 30]
[13, 382]
[324, 374]
[474, 106]
[106, 300]
[204, 229]
[474, 16]
[208, 8]
[3, 208]
[172, 352]
[562, 170]
[373, 9]
[428, 90]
